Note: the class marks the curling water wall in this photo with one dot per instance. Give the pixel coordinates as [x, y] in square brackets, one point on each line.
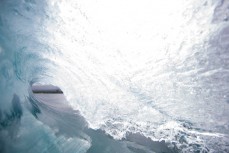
[158, 68]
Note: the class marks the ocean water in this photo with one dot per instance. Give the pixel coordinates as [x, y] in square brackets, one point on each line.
[138, 76]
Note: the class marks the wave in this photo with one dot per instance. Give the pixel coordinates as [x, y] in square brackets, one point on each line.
[155, 72]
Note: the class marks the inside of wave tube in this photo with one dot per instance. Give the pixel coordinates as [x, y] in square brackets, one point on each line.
[46, 89]
[167, 61]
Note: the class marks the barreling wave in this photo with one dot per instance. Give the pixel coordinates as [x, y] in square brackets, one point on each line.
[155, 69]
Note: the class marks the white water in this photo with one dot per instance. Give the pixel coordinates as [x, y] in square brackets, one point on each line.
[159, 68]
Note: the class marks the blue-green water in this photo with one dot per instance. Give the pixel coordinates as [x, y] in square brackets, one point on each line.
[149, 76]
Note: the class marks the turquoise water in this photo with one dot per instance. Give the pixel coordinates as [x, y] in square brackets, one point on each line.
[149, 76]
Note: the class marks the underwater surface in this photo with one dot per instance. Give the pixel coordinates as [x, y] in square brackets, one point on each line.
[134, 76]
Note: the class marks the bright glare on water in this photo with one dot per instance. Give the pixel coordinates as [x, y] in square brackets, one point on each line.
[158, 68]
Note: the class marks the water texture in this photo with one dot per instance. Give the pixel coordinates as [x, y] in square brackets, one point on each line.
[157, 69]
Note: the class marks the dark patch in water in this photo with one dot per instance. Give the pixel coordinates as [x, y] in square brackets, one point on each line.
[33, 108]
[10, 123]
[6, 118]
[155, 146]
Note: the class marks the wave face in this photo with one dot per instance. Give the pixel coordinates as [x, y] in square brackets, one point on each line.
[160, 69]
